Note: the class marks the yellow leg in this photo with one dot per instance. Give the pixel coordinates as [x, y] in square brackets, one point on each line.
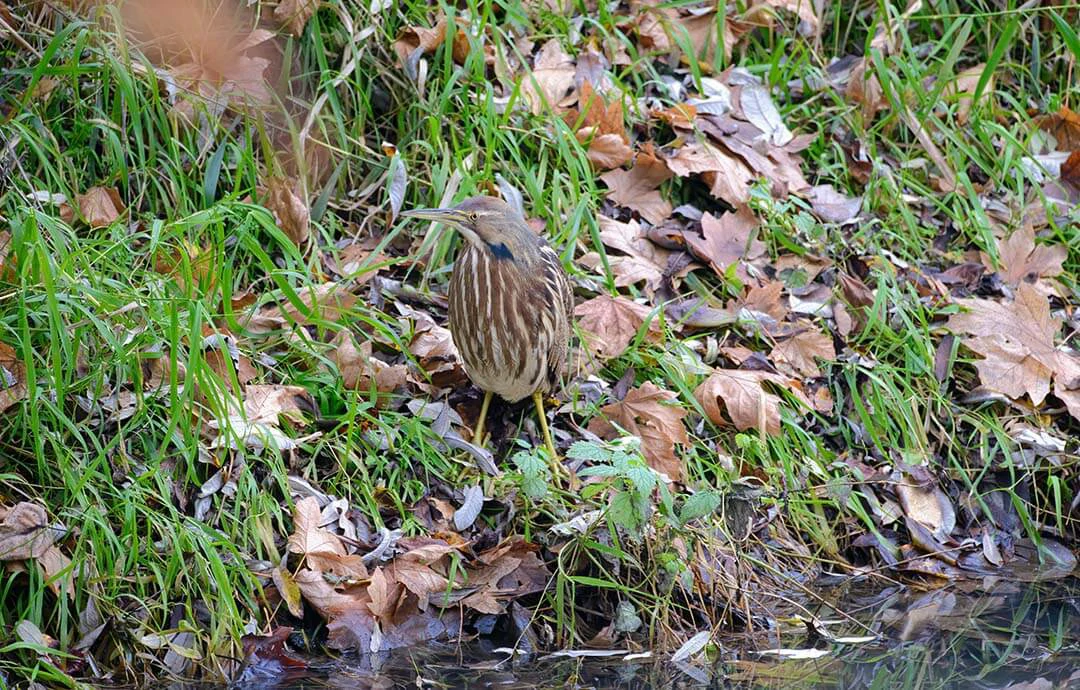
[478, 435]
[556, 464]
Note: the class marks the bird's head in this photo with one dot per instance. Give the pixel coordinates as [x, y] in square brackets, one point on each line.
[488, 223]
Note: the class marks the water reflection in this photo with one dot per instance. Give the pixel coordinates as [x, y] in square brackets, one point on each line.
[990, 634]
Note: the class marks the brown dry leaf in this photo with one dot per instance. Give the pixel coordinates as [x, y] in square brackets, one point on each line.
[1022, 260]
[802, 350]
[1016, 342]
[679, 116]
[293, 15]
[636, 188]
[12, 377]
[358, 368]
[593, 112]
[833, 207]
[264, 403]
[962, 90]
[742, 395]
[727, 239]
[864, 89]
[283, 198]
[419, 40]
[25, 532]
[609, 324]
[728, 177]
[1064, 126]
[605, 151]
[803, 9]
[308, 536]
[928, 505]
[644, 260]
[647, 412]
[551, 79]
[324, 302]
[99, 207]
[700, 29]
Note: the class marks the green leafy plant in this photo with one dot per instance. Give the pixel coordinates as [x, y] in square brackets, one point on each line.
[631, 481]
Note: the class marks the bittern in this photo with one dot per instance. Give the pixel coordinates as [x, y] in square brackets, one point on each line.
[510, 306]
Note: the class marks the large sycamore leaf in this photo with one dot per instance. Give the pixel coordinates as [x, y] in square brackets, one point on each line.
[742, 395]
[1016, 342]
[648, 412]
[637, 188]
[610, 323]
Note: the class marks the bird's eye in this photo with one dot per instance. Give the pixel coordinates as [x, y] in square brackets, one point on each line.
[473, 216]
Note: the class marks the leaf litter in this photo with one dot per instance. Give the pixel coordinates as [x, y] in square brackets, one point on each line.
[688, 185]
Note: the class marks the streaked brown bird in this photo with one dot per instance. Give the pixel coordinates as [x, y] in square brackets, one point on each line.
[510, 306]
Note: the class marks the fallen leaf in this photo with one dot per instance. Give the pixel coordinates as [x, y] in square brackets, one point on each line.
[25, 532]
[833, 207]
[728, 177]
[741, 394]
[605, 151]
[699, 28]
[550, 80]
[12, 377]
[648, 413]
[264, 403]
[609, 324]
[1016, 342]
[803, 9]
[358, 368]
[1022, 260]
[99, 207]
[293, 15]
[802, 350]
[1064, 126]
[414, 41]
[636, 188]
[961, 89]
[291, 212]
[929, 505]
[758, 107]
[864, 89]
[727, 239]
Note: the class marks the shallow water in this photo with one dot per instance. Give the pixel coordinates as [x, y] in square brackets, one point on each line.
[993, 633]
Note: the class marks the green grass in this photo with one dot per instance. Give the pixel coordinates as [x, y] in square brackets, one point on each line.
[88, 311]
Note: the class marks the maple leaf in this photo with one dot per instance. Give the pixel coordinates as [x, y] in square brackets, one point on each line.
[802, 350]
[645, 261]
[294, 14]
[264, 403]
[99, 207]
[646, 412]
[728, 177]
[636, 188]
[610, 323]
[742, 395]
[1016, 342]
[604, 151]
[308, 537]
[1022, 260]
[358, 368]
[550, 80]
[727, 239]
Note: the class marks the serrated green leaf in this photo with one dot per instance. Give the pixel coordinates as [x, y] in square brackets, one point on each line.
[585, 450]
[621, 511]
[643, 478]
[699, 505]
[599, 471]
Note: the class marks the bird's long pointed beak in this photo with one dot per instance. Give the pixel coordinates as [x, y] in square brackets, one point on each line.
[438, 215]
